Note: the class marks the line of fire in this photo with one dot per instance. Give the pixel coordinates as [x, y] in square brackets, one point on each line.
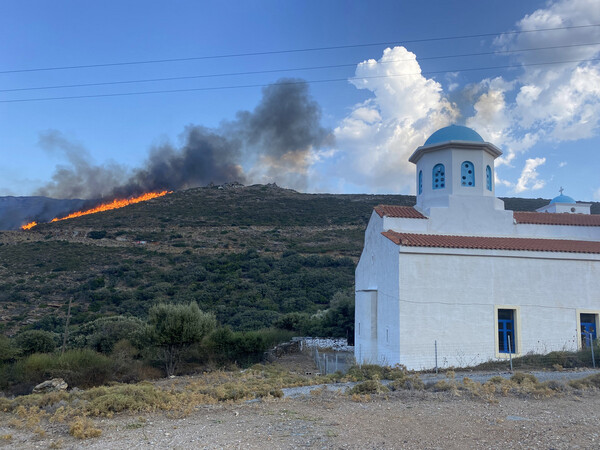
[115, 204]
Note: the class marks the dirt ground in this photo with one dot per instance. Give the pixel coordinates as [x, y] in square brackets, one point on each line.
[326, 419]
[412, 420]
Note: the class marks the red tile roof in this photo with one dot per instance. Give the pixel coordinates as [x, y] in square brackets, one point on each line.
[407, 212]
[536, 218]
[540, 218]
[492, 243]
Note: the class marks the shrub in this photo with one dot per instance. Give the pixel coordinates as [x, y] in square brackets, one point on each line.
[141, 397]
[593, 381]
[36, 368]
[102, 334]
[523, 378]
[8, 351]
[36, 341]
[77, 367]
[374, 372]
[368, 387]
[410, 382]
[83, 428]
[84, 367]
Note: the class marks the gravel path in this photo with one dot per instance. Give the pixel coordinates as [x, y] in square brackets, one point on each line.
[408, 420]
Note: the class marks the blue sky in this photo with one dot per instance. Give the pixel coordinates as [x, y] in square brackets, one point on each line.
[388, 99]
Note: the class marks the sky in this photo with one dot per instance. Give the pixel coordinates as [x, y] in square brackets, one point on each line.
[99, 99]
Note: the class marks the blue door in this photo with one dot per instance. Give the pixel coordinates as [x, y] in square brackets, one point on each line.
[588, 333]
[506, 331]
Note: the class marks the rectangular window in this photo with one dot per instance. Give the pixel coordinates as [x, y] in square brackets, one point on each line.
[506, 331]
[588, 323]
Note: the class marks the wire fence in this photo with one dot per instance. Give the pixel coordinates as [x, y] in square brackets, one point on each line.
[333, 361]
[437, 354]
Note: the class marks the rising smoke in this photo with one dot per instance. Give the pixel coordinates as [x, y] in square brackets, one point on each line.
[274, 142]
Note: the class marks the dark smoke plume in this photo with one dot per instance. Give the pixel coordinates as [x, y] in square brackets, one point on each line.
[273, 142]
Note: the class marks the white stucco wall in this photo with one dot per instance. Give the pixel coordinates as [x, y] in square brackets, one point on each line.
[455, 305]
[571, 208]
[376, 285]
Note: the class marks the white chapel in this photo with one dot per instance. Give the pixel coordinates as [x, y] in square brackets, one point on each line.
[458, 280]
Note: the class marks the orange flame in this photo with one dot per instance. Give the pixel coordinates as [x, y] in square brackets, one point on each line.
[115, 204]
[28, 226]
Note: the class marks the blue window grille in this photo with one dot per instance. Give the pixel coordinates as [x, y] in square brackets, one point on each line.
[467, 174]
[420, 182]
[488, 178]
[439, 177]
[588, 329]
[506, 331]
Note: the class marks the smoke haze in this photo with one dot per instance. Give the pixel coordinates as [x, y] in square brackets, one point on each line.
[273, 142]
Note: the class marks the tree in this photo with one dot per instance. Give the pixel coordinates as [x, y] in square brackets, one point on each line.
[173, 328]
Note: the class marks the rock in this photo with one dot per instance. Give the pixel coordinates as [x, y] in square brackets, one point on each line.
[53, 385]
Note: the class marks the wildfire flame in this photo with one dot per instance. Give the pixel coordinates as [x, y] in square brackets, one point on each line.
[115, 204]
[29, 226]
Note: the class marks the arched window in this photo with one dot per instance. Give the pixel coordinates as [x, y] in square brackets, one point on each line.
[488, 178]
[439, 177]
[420, 182]
[467, 174]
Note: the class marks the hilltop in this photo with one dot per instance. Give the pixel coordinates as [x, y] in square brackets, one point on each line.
[251, 254]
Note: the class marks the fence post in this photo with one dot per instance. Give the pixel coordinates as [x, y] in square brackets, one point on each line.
[336, 362]
[436, 364]
[510, 354]
[592, 347]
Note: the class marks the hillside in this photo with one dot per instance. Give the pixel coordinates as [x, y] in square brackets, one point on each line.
[250, 254]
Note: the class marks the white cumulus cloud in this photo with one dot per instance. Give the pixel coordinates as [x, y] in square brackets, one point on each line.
[529, 176]
[377, 137]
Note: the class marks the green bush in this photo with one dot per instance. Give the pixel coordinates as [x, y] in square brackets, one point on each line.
[8, 350]
[83, 368]
[244, 348]
[102, 334]
[36, 341]
[35, 368]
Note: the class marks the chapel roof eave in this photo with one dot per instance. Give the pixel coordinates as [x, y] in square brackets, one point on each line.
[462, 145]
[492, 243]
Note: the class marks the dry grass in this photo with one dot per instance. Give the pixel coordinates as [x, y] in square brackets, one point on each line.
[368, 387]
[181, 396]
[178, 397]
[83, 428]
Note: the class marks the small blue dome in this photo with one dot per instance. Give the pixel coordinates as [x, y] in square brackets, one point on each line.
[454, 133]
[562, 199]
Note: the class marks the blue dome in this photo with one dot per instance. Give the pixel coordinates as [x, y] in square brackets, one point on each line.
[454, 133]
[562, 199]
